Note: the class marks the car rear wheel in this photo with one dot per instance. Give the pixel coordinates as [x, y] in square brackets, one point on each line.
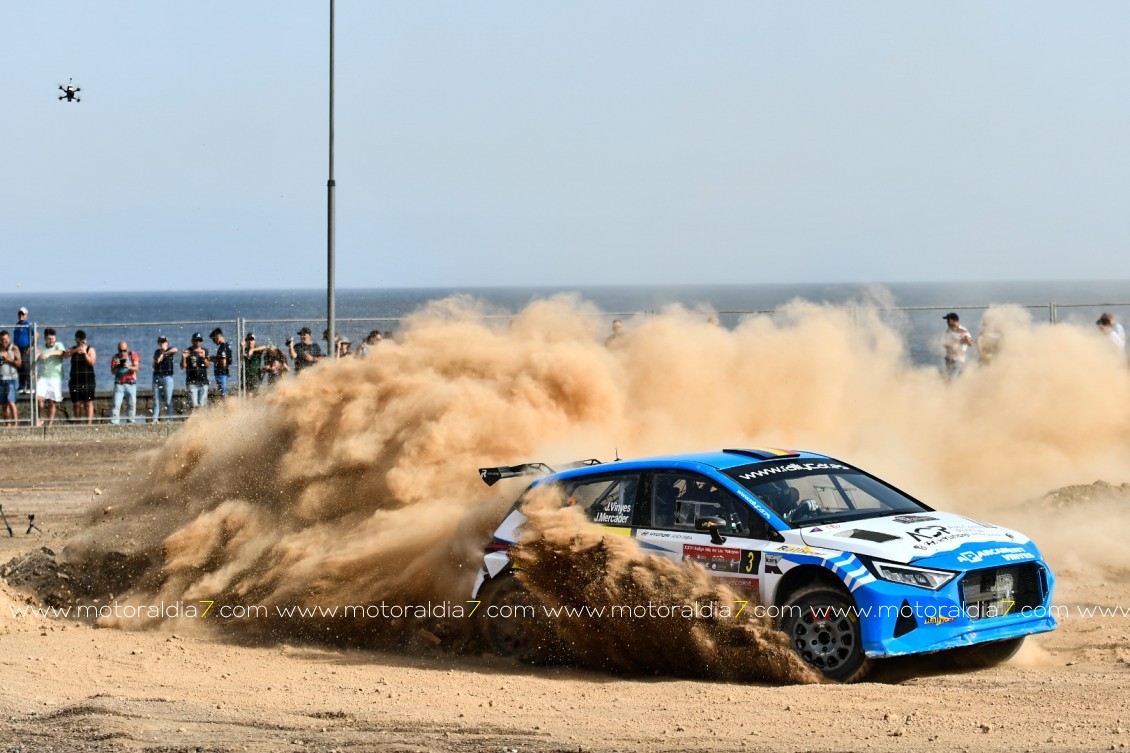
[510, 623]
[822, 624]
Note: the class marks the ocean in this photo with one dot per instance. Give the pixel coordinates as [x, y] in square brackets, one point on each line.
[138, 317]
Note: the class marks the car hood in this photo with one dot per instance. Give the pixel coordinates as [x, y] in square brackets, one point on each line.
[914, 536]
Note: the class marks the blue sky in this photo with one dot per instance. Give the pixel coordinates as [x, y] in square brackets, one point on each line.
[519, 143]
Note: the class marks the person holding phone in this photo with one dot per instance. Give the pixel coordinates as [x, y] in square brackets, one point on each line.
[194, 362]
[123, 366]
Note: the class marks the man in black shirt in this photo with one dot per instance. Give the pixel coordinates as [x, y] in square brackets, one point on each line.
[194, 361]
[222, 362]
[163, 379]
[306, 353]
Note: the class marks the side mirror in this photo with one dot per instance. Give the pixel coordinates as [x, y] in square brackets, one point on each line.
[712, 524]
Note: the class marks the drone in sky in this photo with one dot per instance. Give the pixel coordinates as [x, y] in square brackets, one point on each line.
[70, 93]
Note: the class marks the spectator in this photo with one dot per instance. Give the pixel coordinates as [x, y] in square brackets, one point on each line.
[617, 332]
[306, 353]
[49, 376]
[252, 363]
[221, 364]
[194, 361]
[955, 343]
[1106, 326]
[82, 382]
[124, 366]
[344, 347]
[371, 342]
[274, 364]
[21, 336]
[1114, 324]
[10, 362]
[163, 385]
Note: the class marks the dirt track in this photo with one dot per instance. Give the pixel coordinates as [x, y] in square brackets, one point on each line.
[66, 685]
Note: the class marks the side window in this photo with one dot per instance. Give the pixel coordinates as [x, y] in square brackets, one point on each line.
[609, 501]
[679, 500]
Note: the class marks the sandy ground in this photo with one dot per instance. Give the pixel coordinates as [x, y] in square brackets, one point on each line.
[67, 685]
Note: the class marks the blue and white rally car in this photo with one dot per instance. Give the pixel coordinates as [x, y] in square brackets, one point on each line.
[855, 569]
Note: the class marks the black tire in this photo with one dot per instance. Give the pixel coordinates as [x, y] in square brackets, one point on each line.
[985, 655]
[517, 632]
[822, 624]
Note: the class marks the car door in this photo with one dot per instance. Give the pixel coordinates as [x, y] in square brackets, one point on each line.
[674, 504]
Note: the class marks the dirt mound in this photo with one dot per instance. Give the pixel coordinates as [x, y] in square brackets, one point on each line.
[1098, 492]
[636, 613]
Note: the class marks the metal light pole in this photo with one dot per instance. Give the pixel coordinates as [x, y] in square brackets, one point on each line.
[330, 186]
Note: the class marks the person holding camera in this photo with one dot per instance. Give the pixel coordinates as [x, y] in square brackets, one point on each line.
[306, 353]
[274, 364]
[124, 366]
[163, 379]
[82, 381]
[222, 361]
[194, 362]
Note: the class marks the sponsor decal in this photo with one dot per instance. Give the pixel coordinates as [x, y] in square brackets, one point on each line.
[794, 549]
[913, 519]
[715, 558]
[767, 470]
[816, 529]
[750, 586]
[1008, 553]
[932, 536]
[938, 620]
[865, 535]
[773, 564]
[666, 535]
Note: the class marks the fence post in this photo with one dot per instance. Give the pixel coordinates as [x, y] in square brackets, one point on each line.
[1052, 315]
[237, 355]
[32, 375]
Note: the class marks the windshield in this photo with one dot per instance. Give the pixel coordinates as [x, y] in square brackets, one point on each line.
[806, 494]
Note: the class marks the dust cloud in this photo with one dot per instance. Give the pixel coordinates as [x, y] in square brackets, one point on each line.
[565, 561]
[357, 484]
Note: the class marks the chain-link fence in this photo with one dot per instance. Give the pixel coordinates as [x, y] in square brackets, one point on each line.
[269, 356]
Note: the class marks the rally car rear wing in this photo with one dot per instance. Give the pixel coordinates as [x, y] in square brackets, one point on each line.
[492, 476]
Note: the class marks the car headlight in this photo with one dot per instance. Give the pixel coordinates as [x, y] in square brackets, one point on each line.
[912, 576]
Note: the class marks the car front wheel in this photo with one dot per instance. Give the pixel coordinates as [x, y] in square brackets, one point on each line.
[822, 624]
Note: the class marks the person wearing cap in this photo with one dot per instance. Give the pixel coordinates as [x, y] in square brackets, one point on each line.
[194, 362]
[124, 366]
[221, 364]
[163, 385]
[955, 344]
[252, 363]
[305, 353]
[21, 338]
[49, 376]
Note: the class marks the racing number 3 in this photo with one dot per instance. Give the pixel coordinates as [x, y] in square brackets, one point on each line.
[750, 558]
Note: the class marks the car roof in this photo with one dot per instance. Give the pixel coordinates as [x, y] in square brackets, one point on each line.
[719, 460]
